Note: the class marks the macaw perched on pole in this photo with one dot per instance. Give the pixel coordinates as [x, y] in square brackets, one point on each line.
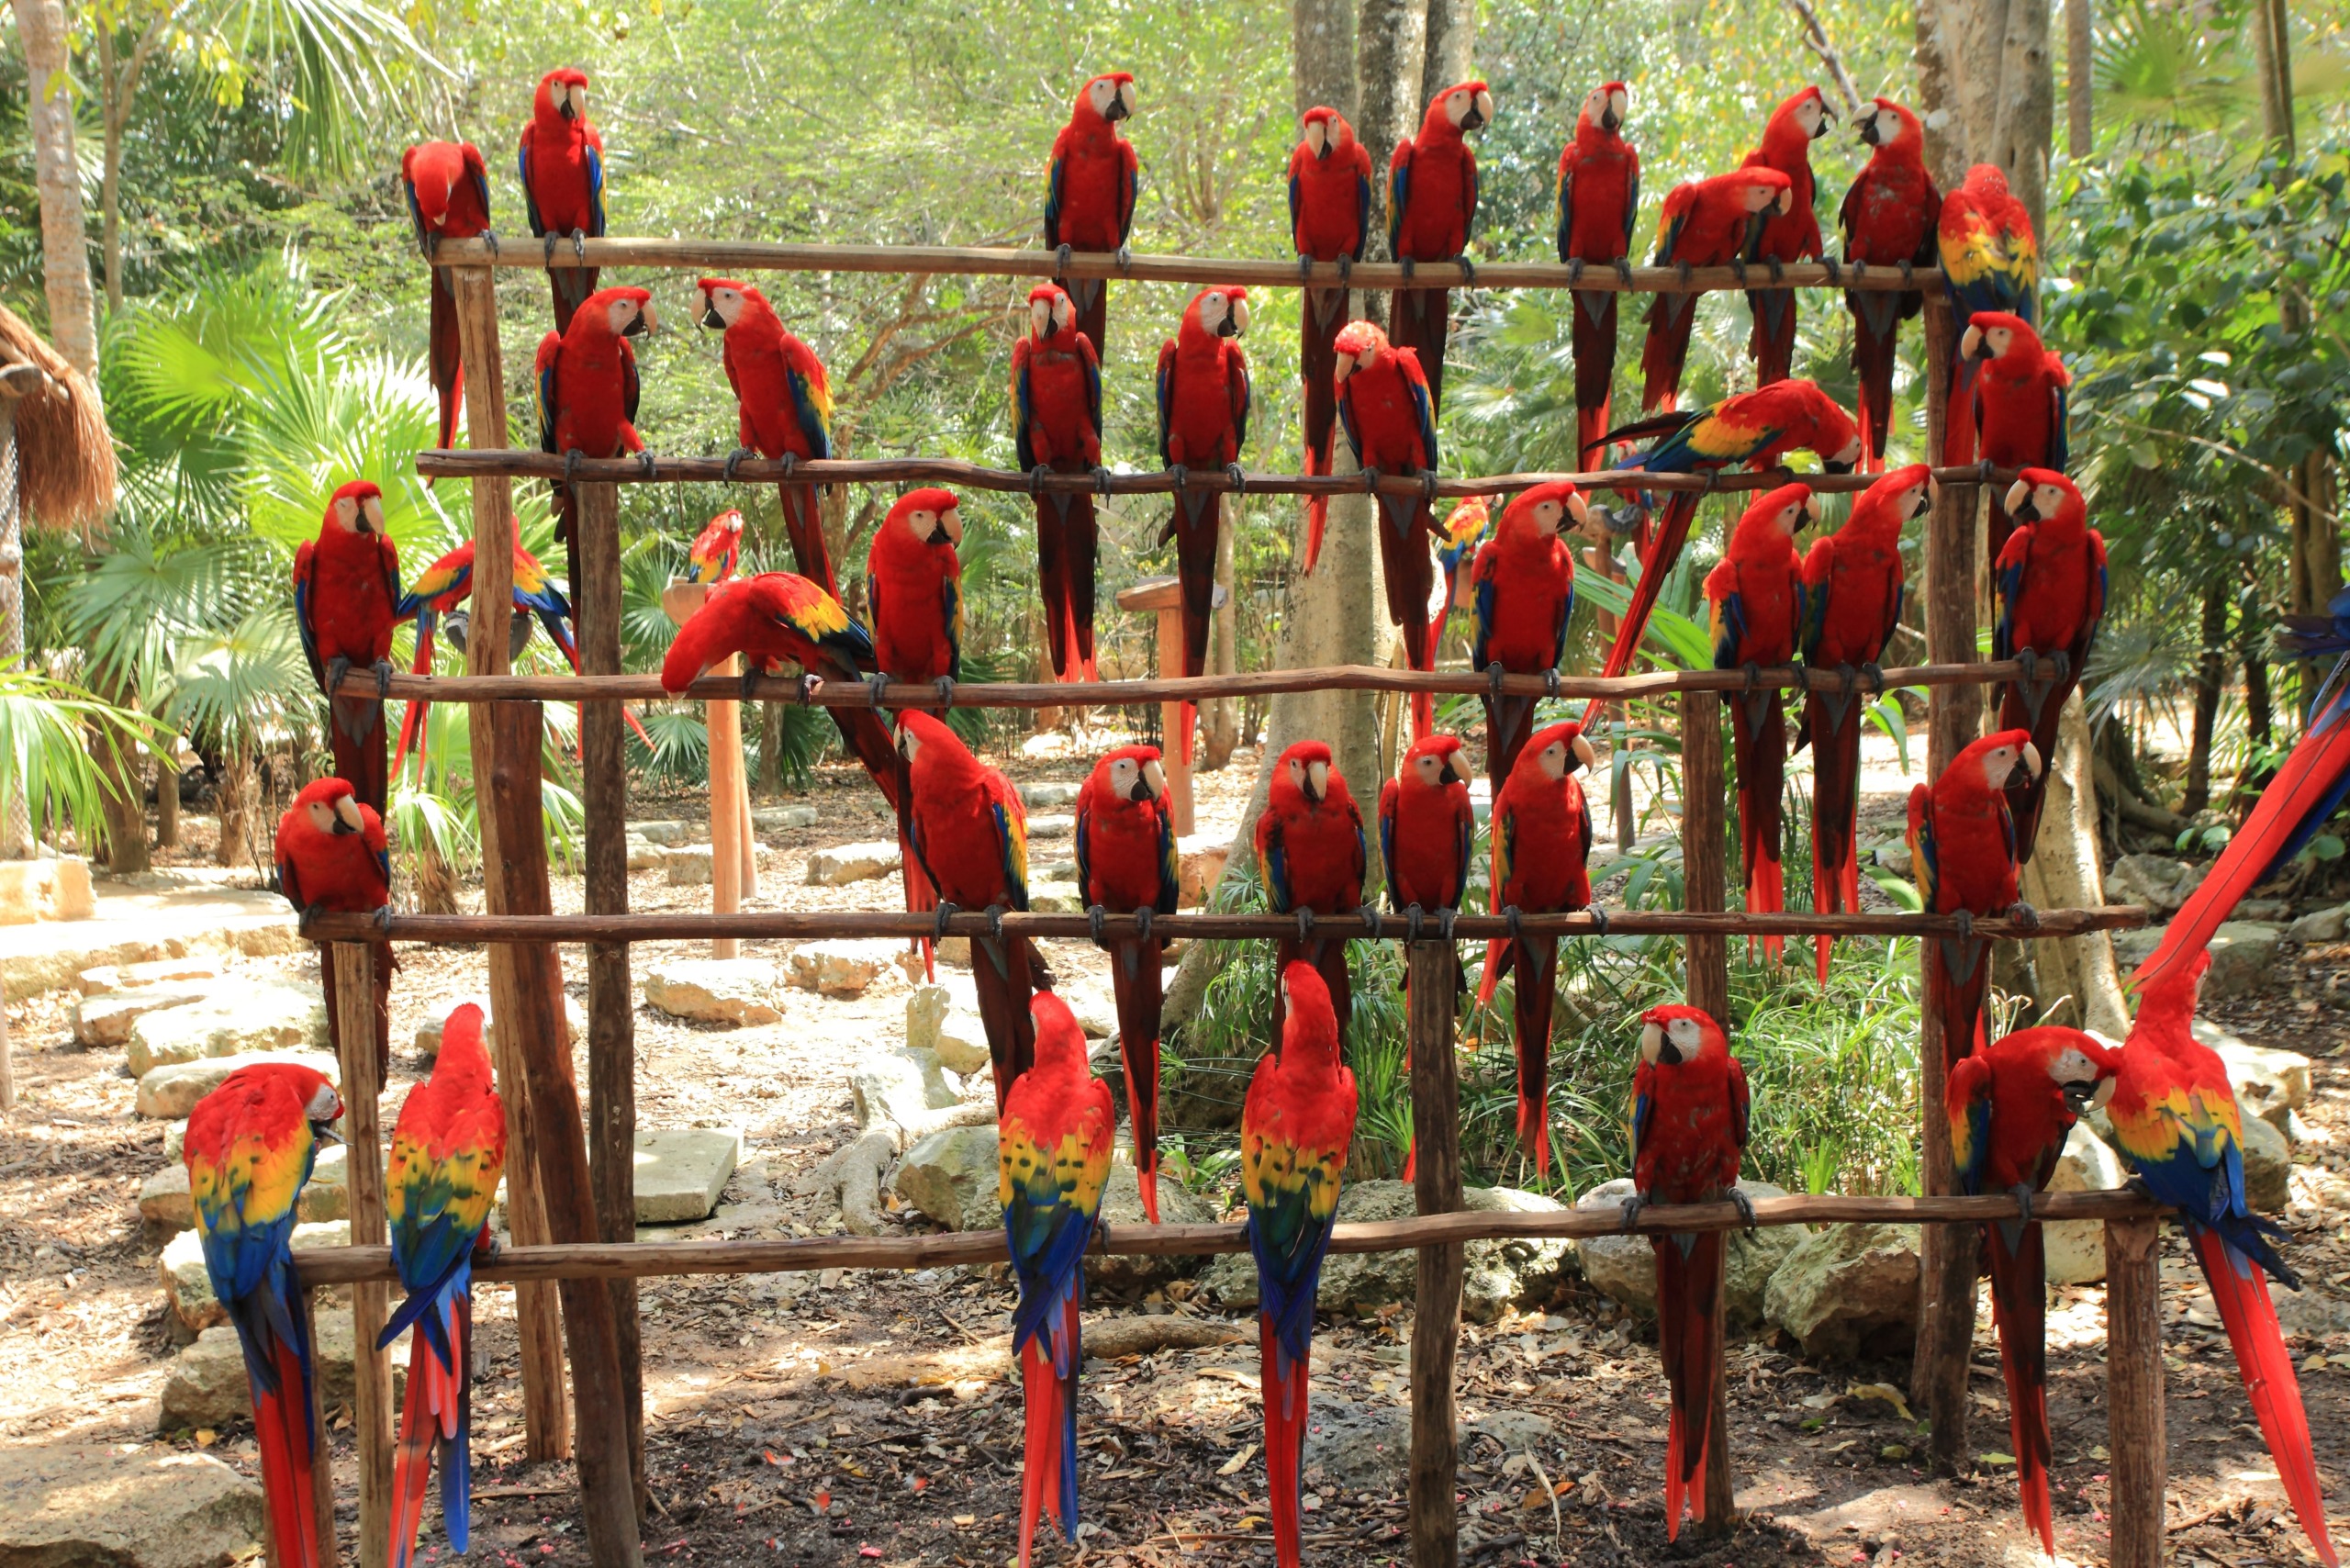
[1599, 206]
[1852, 595]
[1089, 201]
[1329, 220]
[1312, 854]
[1426, 830]
[1888, 216]
[250, 1146]
[1465, 532]
[716, 551]
[563, 183]
[1541, 834]
[914, 589]
[1203, 400]
[1689, 1128]
[1431, 208]
[784, 408]
[2050, 579]
[1057, 429]
[332, 859]
[2019, 412]
[1389, 411]
[587, 388]
[1296, 1129]
[448, 198]
[346, 586]
[1790, 235]
[1962, 850]
[2012, 1106]
[2176, 1121]
[1054, 1135]
[1705, 223]
[448, 1152]
[1525, 579]
[1127, 868]
[1990, 262]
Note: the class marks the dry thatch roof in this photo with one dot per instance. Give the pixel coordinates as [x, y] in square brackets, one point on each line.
[64, 453]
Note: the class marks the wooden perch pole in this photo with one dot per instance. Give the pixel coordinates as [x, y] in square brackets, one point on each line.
[1704, 878]
[2133, 1388]
[362, 1133]
[1436, 1314]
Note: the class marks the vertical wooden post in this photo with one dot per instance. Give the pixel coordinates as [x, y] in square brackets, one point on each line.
[1436, 1317]
[1704, 886]
[1164, 596]
[2133, 1389]
[321, 1457]
[728, 816]
[371, 1415]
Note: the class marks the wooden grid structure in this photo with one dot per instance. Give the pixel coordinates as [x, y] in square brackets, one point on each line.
[571, 1207]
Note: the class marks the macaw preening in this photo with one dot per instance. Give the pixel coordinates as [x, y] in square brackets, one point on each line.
[1053, 1134]
[1791, 235]
[1963, 853]
[1465, 532]
[1888, 220]
[2018, 417]
[1689, 1126]
[716, 551]
[448, 198]
[2050, 579]
[1329, 220]
[1385, 404]
[914, 589]
[1599, 205]
[1312, 853]
[250, 1146]
[346, 586]
[1705, 223]
[448, 1152]
[1990, 262]
[1057, 429]
[1296, 1129]
[1127, 868]
[1089, 195]
[2011, 1105]
[784, 406]
[1204, 401]
[2176, 1121]
[587, 388]
[563, 183]
[1431, 209]
[1852, 595]
[1525, 579]
[1541, 833]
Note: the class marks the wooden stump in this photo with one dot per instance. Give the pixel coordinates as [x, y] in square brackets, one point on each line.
[371, 1412]
[1436, 1318]
[2133, 1389]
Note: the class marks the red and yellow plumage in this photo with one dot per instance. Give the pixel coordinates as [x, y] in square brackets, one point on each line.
[716, 549]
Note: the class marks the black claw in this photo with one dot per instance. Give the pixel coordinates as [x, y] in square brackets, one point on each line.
[1411, 918]
[1346, 267]
[303, 921]
[1306, 926]
[490, 238]
[1373, 920]
[1406, 264]
[1876, 673]
[1632, 1207]
[809, 686]
[1181, 476]
[734, 460]
[1143, 918]
[384, 919]
[579, 246]
[1096, 916]
[1444, 919]
[877, 683]
[1753, 674]
[2024, 914]
[1468, 272]
[1906, 271]
[1239, 477]
[1060, 263]
[1737, 269]
[551, 239]
[995, 923]
[383, 673]
[337, 667]
[644, 463]
[1598, 920]
[1493, 674]
[1123, 255]
[791, 460]
[946, 689]
[1624, 270]
[1371, 481]
[1306, 269]
[944, 912]
[1778, 273]
[572, 458]
[750, 681]
[1745, 1208]
[1515, 915]
[1965, 920]
[1574, 270]
[2023, 1196]
[1036, 479]
[1101, 482]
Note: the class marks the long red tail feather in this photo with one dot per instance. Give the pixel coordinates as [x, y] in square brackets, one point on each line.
[1663, 548]
[1534, 958]
[1873, 360]
[282, 1431]
[1835, 806]
[1689, 1338]
[1419, 319]
[2266, 1368]
[1317, 363]
[1282, 1383]
[1773, 338]
[1671, 316]
[2019, 1310]
[1759, 744]
[803, 525]
[447, 363]
[1136, 979]
[1594, 345]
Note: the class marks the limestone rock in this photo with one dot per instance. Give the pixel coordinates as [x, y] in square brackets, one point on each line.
[846, 863]
[1122, 1204]
[643, 854]
[247, 1018]
[2325, 925]
[151, 971]
[105, 1018]
[666, 833]
[840, 968]
[1624, 1267]
[169, 1093]
[189, 1288]
[1056, 898]
[2242, 951]
[207, 1386]
[687, 865]
[1059, 824]
[2156, 881]
[934, 1022]
[782, 819]
[2131, 949]
[1847, 1290]
[49, 887]
[1362, 1447]
[2267, 1166]
[164, 1201]
[951, 1177]
[2274, 911]
[2271, 1084]
[1044, 797]
[2076, 1248]
[895, 1087]
[1895, 857]
[715, 990]
[76, 1505]
[680, 1173]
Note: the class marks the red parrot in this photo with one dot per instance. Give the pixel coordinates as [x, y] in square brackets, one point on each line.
[1385, 403]
[1465, 532]
[250, 1146]
[563, 183]
[1204, 401]
[448, 198]
[1329, 220]
[1525, 578]
[1599, 205]
[1990, 262]
[1757, 615]
[346, 587]
[716, 550]
[785, 406]
[2017, 416]
[1541, 835]
[1057, 429]
[1431, 207]
[914, 589]
[1962, 853]
[2050, 579]
[1705, 223]
[2011, 1105]
[1851, 595]
[448, 1152]
[1126, 866]
[332, 859]
[1296, 1129]
[2176, 1121]
[1792, 234]
[1312, 854]
[1426, 830]
[1888, 218]
[588, 385]
[1054, 1135]
[1089, 201]
[1689, 1126]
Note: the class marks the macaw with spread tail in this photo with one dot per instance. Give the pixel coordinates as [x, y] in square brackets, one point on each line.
[1888, 216]
[914, 589]
[1757, 595]
[2176, 1121]
[1053, 1134]
[1525, 579]
[1329, 220]
[563, 183]
[716, 550]
[1127, 868]
[448, 198]
[1705, 223]
[1296, 1129]
[1791, 235]
[1431, 209]
[1851, 595]
[1599, 206]
[784, 408]
[2019, 414]
[1962, 849]
[1057, 429]
[1089, 198]
[1389, 411]
[346, 586]
[1689, 1129]
[1464, 533]
[2012, 1106]
[1312, 854]
[1204, 399]
[2050, 579]
[1990, 262]
[448, 1152]
[250, 1146]
[588, 385]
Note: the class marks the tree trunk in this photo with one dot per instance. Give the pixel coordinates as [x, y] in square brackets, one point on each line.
[1220, 726]
[2273, 68]
[2080, 57]
[1937, 98]
[1390, 53]
[2210, 672]
[233, 797]
[1999, 83]
[770, 751]
[167, 802]
[64, 244]
[1451, 44]
[2077, 982]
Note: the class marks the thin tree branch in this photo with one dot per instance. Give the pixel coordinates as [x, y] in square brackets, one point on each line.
[1816, 38]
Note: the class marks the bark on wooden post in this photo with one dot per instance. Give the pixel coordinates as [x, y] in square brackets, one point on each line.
[321, 1455]
[1436, 1318]
[2133, 1389]
[372, 1414]
[1704, 876]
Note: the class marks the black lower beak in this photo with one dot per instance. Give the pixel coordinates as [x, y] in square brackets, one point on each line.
[635, 328]
[1868, 132]
[1117, 109]
[323, 1132]
[1668, 1055]
[565, 109]
[2076, 1097]
[1227, 327]
[1925, 504]
[2020, 777]
[1835, 467]
[710, 318]
[342, 829]
[1448, 776]
[1323, 156]
[2026, 512]
[1827, 118]
[1140, 792]
[1610, 121]
[1472, 120]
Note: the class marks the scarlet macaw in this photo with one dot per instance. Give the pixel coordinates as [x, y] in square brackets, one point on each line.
[1089, 200]
[2018, 417]
[716, 550]
[1203, 400]
[1053, 1134]
[1526, 591]
[1990, 261]
[1790, 235]
[250, 1146]
[1329, 220]
[1465, 532]
[1126, 866]
[448, 1152]
[1431, 207]
[784, 406]
[588, 385]
[2051, 583]
[1385, 404]
[448, 198]
[563, 183]
[914, 589]
[332, 859]
[346, 584]
[1296, 1129]
[1599, 205]
[1705, 223]
[1312, 854]
[1425, 829]
[1962, 851]
[1888, 216]
[1057, 429]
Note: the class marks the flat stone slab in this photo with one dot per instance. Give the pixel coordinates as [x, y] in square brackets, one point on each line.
[945, 1019]
[169, 1093]
[140, 924]
[846, 863]
[1044, 797]
[68, 1506]
[188, 1286]
[951, 1176]
[715, 990]
[105, 1018]
[245, 1018]
[687, 865]
[842, 968]
[783, 819]
[157, 971]
[2076, 1248]
[1624, 1267]
[680, 1173]
[207, 1387]
[1058, 825]
[2243, 952]
[666, 833]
